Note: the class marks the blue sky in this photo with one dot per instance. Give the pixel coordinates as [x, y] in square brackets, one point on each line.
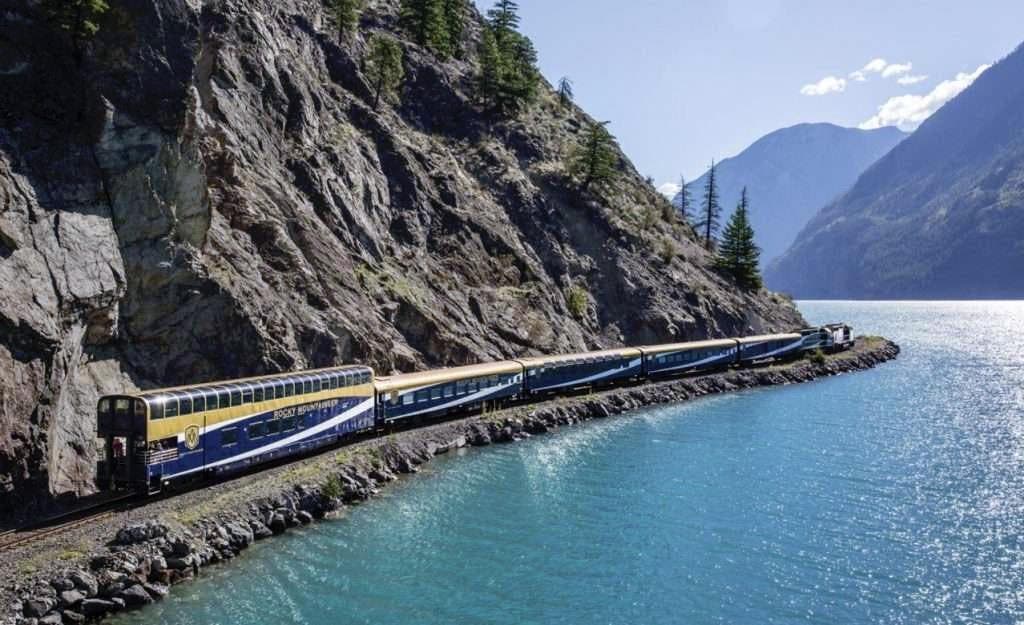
[684, 82]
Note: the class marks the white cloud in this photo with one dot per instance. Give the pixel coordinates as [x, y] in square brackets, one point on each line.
[897, 69]
[670, 189]
[875, 66]
[882, 67]
[828, 84]
[908, 111]
[911, 80]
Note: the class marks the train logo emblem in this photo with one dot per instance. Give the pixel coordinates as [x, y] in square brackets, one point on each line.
[192, 436]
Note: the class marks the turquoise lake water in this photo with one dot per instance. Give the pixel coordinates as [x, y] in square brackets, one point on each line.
[889, 496]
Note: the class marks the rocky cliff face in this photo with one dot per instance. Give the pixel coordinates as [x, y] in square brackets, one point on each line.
[211, 194]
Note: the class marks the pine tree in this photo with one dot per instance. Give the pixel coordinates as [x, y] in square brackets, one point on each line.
[565, 94]
[454, 12]
[595, 159]
[711, 211]
[346, 13]
[78, 18]
[491, 69]
[686, 202]
[509, 78]
[384, 67]
[504, 19]
[425, 20]
[738, 255]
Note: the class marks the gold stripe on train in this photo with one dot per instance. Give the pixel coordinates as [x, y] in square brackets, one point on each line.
[165, 428]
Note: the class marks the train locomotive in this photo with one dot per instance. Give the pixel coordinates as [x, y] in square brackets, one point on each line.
[169, 437]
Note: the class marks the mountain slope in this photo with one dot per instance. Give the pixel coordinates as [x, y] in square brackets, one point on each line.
[941, 216]
[211, 194]
[793, 172]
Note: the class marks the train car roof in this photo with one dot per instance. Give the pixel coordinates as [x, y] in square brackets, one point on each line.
[769, 337]
[276, 377]
[678, 347]
[438, 376]
[628, 352]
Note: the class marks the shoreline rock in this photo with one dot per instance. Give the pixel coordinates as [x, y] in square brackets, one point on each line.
[143, 560]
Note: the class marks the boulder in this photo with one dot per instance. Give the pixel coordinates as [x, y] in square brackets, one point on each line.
[38, 606]
[53, 618]
[61, 584]
[85, 582]
[277, 523]
[135, 596]
[156, 591]
[181, 547]
[71, 598]
[97, 607]
[157, 564]
[140, 532]
[304, 517]
[181, 564]
[73, 618]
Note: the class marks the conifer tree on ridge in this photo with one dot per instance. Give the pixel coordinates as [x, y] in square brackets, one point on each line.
[738, 255]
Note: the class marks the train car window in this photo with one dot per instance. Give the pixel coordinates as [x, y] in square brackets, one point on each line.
[256, 430]
[229, 436]
[316, 386]
[289, 389]
[257, 394]
[407, 399]
[460, 387]
[156, 410]
[307, 386]
[449, 391]
[211, 400]
[171, 408]
[140, 408]
[288, 424]
[247, 396]
[104, 407]
[435, 393]
[223, 400]
[185, 406]
[236, 398]
[199, 403]
[332, 382]
[273, 427]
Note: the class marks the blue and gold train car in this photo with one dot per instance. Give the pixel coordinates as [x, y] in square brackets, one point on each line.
[769, 347]
[555, 374]
[679, 358]
[436, 393]
[155, 438]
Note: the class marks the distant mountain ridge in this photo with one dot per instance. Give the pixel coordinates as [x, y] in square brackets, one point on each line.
[940, 216]
[792, 173]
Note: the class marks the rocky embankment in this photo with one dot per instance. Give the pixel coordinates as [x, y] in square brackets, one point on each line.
[133, 560]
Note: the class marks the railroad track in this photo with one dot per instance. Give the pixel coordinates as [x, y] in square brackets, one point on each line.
[11, 539]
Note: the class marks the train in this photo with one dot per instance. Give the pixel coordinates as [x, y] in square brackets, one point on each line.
[166, 438]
